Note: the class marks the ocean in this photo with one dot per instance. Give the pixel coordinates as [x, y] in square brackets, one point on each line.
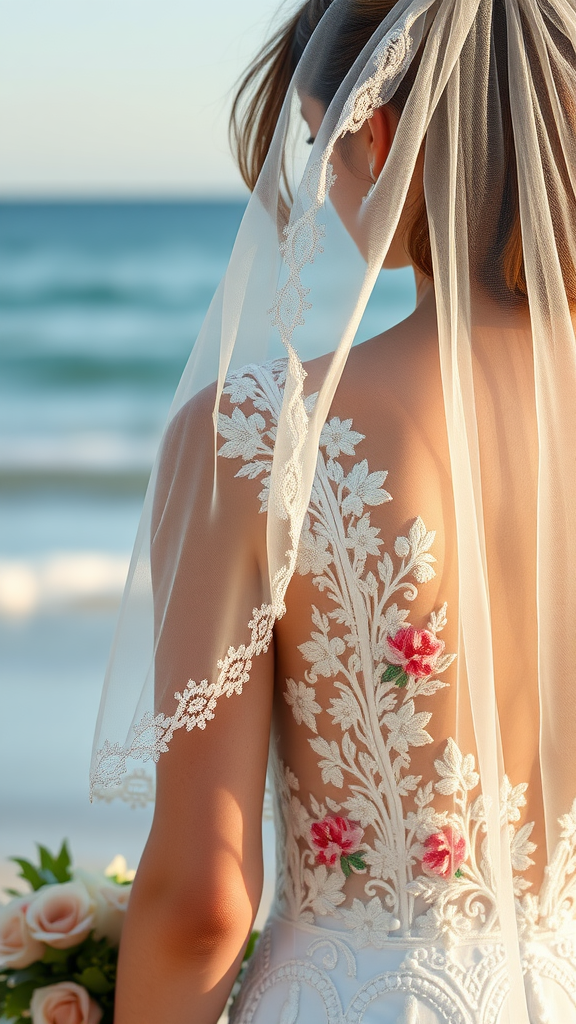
[100, 303]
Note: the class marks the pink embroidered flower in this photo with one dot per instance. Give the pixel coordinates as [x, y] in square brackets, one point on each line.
[337, 839]
[445, 852]
[415, 650]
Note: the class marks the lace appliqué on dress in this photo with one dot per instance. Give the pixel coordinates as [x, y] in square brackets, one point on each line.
[382, 673]
[195, 707]
[250, 438]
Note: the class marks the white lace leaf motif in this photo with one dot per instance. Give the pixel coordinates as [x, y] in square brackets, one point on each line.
[376, 818]
[379, 669]
[250, 438]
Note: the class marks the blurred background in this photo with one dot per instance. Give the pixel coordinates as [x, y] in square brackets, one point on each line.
[119, 203]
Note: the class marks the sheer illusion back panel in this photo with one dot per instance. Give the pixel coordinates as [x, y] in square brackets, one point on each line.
[381, 520]
[386, 431]
[504, 381]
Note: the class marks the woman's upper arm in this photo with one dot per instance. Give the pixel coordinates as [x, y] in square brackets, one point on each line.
[209, 577]
[206, 834]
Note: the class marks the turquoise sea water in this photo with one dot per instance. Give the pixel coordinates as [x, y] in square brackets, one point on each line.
[99, 307]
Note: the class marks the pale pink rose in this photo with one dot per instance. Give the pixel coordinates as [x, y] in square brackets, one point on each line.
[444, 853]
[61, 915]
[17, 947]
[64, 1003]
[111, 903]
[416, 650]
[110, 900]
[333, 838]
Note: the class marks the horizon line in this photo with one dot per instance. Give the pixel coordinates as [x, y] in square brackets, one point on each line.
[122, 197]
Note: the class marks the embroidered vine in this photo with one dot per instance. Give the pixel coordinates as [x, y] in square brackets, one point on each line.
[424, 869]
[382, 672]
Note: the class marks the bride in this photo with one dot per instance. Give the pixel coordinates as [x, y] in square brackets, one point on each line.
[355, 568]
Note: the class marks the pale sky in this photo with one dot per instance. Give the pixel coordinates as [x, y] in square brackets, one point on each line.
[105, 97]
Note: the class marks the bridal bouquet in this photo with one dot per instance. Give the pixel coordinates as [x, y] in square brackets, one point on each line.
[59, 942]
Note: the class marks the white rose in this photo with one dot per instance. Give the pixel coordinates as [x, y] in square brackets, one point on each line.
[110, 901]
[111, 904]
[119, 870]
[17, 947]
[64, 1003]
[89, 879]
[61, 915]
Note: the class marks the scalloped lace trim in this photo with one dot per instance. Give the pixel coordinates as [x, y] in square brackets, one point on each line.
[195, 707]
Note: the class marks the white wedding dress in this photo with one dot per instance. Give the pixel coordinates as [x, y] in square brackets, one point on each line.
[384, 910]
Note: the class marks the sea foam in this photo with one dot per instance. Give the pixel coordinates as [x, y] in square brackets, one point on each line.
[81, 580]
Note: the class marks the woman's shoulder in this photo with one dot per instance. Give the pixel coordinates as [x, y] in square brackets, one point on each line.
[389, 381]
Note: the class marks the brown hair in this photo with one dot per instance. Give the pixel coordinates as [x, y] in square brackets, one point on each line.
[259, 99]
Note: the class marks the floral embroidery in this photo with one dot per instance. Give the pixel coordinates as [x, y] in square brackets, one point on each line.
[411, 652]
[301, 699]
[423, 868]
[338, 438]
[373, 672]
[379, 778]
[445, 852]
[337, 842]
[370, 923]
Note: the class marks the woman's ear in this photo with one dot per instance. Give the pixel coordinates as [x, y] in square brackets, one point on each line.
[381, 128]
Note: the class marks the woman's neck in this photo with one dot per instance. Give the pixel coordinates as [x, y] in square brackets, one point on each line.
[486, 310]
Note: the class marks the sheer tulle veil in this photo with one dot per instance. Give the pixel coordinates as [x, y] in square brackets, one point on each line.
[491, 101]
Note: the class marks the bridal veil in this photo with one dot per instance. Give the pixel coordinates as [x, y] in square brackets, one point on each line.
[489, 99]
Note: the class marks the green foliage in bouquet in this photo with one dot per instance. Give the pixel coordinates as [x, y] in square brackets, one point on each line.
[50, 871]
[90, 963]
[59, 943]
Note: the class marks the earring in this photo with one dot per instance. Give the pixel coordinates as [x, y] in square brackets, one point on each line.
[372, 186]
[369, 192]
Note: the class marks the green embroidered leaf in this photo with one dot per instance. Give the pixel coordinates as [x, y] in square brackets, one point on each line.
[345, 866]
[459, 873]
[402, 680]
[356, 860]
[391, 672]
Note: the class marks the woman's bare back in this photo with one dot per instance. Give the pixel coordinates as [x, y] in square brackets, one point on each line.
[379, 810]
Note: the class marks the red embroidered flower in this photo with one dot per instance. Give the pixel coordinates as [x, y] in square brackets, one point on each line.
[337, 839]
[415, 650]
[445, 852]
